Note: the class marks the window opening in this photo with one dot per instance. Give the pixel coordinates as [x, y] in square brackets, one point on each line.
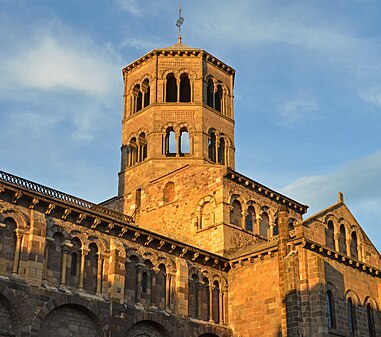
[221, 151]
[171, 93]
[185, 89]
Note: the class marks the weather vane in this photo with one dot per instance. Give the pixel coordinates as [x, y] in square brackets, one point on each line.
[179, 23]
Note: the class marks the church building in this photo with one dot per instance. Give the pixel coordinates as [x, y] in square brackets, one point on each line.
[189, 246]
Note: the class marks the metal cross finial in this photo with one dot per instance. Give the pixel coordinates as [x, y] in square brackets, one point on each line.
[179, 23]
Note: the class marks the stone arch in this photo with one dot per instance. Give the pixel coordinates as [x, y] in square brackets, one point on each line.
[189, 72]
[78, 307]
[20, 218]
[236, 203]
[205, 211]
[10, 312]
[169, 192]
[147, 328]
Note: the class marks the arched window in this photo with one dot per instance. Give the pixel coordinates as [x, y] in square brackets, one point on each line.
[212, 145]
[218, 98]
[7, 245]
[354, 252]
[147, 92]
[351, 316]
[138, 98]
[131, 279]
[184, 141]
[161, 287]
[276, 228]
[91, 269]
[205, 300]
[193, 301]
[185, 88]
[250, 219]
[264, 225]
[371, 323]
[133, 152]
[330, 309]
[221, 151]
[171, 92]
[210, 93]
[207, 214]
[235, 212]
[54, 255]
[216, 302]
[146, 285]
[169, 192]
[76, 256]
[142, 147]
[170, 142]
[342, 238]
[330, 235]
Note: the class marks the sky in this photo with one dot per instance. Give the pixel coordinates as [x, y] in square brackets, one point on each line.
[307, 91]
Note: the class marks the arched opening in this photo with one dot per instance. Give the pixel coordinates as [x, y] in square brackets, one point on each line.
[330, 309]
[71, 320]
[74, 263]
[212, 145]
[170, 142]
[131, 279]
[147, 329]
[342, 239]
[138, 98]
[169, 192]
[205, 300]
[171, 91]
[193, 300]
[7, 245]
[276, 228]
[353, 248]
[91, 269]
[54, 256]
[216, 302]
[250, 219]
[371, 323]
[235, 212]
[210, 93]
[185, 88]
[330, 235]
[142, 147]
[133, 152]
[351, 316]
[264, 226]
[147, 92]
[218, 98]
[146, 285]
[161, 287]
[221, 151]
[184, 142]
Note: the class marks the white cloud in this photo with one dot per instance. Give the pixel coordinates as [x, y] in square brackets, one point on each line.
[294, 111]
[131, 6]
[360, 181]
[372, 96]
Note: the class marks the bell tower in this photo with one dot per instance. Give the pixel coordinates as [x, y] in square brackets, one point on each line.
[178, 111]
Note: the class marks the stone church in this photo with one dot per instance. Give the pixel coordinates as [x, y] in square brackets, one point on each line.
[189, 246]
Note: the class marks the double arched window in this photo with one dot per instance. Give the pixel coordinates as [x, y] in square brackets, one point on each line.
[141, 96]
[215, 97]
[216, 147]
[173, 93]
[174, 146]
[137, 150]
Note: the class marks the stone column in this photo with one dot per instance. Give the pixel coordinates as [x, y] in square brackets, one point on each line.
[336, 238]
[84, 252]
[257, 226]
[178, 144]
[16, 260]
[65, 247]
[348, 246]
[221, 307]
[359, 252]
[154, 299]
[99, 275]
[211, 303]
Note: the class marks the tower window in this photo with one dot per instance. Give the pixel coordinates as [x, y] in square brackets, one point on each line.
[210, 94]
[235, 212]
[342, 238]
[147, 92]
[218, 98]
[221, 151]
[171, 92]
[264, 225]
[142, 147]
[212, 145]
[354, 252]
[170, 142]
[250, 219]
[330, 236]
[184, 142]
[185, 89]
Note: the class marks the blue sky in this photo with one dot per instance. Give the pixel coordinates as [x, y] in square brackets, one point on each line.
[307, 91]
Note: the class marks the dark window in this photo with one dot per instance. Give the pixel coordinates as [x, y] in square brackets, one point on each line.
[250, 218]
[370, 316]
[351, 315]
[185, 89]
[354, 252]
[171, 93]
[264, 226]
[235, 212]
[330, 235]
[147, 92]
[216, 302]
[142, 147]
[144, 282]
[193, 302]
[212, 145]
[74, 262]
[221, 151]
[218, 98]
[210, 94]
[331, 309]
[276, 228]
[205, 300]
[342, 238]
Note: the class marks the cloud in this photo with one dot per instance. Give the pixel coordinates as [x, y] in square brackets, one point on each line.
[131, 6]
[294, 111]
[372, 96]
[360, 181]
